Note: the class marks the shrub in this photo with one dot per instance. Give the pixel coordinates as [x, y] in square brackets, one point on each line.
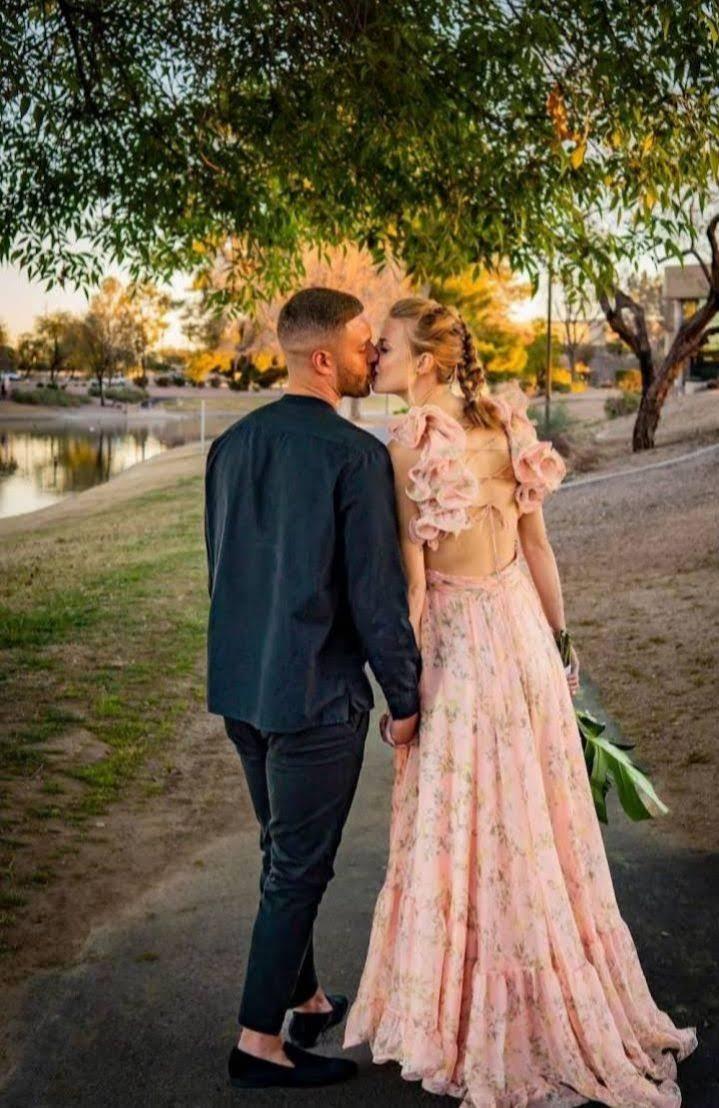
[214, 382]
[629, 380]
[624, 404]
[557, 424]
[126, 395]
[56, 398]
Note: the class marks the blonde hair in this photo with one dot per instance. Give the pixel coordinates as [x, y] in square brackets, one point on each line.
[440, 331]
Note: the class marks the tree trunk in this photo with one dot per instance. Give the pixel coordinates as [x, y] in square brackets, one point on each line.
[646, 423]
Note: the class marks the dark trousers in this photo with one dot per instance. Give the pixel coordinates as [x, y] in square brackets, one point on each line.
[302, 786]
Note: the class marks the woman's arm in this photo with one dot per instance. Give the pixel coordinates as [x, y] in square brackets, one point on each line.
[539, 556]
[403, 459]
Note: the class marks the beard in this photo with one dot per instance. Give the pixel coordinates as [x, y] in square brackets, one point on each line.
[352, 384]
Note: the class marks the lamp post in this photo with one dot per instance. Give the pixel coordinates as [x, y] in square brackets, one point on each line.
[548, 367]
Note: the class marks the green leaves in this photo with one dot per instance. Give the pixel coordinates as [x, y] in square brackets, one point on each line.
[607, 764]
[445, 133]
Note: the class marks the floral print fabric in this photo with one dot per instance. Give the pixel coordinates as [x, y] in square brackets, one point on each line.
[499, 968]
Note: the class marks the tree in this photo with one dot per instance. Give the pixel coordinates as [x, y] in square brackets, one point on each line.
[536, 367]
[577, 312]
[108, 333]
[577, 134]
[147, 307]
[56, 332]
[31, 352]
[627, 318]
[152, 134]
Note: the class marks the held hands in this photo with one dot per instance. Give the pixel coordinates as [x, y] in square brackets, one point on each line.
[398, 732]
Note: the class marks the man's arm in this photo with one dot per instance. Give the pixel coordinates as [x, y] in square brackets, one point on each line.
[209, 504]
[376, 583]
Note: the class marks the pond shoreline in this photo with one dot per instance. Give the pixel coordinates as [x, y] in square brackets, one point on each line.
[27, 417]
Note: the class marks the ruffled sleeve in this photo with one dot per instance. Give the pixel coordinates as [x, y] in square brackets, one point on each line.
[439, 482]
[538, 467]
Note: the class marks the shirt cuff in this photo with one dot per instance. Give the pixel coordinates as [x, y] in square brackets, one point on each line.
[401, 707]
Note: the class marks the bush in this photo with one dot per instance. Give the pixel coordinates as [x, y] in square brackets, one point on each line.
[625, 404]
[126, 395]
[214, 382]
[53, 397]
[555, 426]
[629, 380]
[162, 380]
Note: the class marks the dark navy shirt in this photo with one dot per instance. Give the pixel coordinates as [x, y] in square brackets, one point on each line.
[305, 575]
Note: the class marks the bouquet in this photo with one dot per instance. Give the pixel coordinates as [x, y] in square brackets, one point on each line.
[609, 764]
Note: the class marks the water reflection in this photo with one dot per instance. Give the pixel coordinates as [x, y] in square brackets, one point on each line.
[39, 468]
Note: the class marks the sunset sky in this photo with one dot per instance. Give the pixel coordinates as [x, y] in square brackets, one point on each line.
[22, 300]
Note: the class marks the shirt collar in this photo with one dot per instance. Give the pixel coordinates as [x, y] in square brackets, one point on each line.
[300, 398]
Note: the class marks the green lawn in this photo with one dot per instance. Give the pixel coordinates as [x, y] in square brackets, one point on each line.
[102, 630]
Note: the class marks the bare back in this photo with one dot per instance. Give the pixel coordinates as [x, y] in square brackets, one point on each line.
[461, 489]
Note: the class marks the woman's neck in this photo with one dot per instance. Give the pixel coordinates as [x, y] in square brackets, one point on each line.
[437, 393]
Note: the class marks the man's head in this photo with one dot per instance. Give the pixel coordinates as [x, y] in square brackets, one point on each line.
[326, 340]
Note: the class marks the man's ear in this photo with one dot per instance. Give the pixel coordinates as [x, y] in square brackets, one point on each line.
[323, 362]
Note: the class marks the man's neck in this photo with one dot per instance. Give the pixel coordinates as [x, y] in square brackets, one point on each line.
[328, 394]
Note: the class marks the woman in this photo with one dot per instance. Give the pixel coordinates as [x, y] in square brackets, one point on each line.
[499, 968]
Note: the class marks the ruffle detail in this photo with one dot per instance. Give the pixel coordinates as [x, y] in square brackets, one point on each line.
[538, 468]
[440, 484]
[575, 1033]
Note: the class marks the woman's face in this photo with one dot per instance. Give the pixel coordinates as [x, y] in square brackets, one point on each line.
[394, 370]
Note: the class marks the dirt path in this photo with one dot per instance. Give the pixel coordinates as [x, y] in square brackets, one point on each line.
[639, 562]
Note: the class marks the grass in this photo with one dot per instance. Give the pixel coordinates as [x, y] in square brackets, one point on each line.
[102, 626]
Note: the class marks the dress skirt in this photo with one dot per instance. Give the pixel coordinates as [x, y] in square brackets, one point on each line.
[499, 969]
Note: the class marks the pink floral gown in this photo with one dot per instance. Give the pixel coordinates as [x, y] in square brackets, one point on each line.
[500, 970]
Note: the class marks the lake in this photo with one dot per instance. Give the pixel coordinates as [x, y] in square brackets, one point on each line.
[49, 465]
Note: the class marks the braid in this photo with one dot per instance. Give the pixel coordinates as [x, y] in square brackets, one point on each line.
[470, 376]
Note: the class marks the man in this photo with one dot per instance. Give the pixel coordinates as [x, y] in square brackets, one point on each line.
[306, 585]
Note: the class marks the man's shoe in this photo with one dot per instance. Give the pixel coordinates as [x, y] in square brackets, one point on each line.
[248, 1072]
[306, 1027]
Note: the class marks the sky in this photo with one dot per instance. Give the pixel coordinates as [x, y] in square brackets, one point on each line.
[22, 300]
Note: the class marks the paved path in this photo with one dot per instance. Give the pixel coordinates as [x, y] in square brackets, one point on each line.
[148, 1016]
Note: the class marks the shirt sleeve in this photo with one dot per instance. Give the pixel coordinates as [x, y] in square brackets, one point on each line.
[209, 504]
[376, 585]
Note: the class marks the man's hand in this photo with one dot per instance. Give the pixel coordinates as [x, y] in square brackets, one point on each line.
[401, 731]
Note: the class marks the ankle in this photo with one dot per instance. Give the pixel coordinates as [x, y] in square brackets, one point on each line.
[316, 1003]
[260, 1045]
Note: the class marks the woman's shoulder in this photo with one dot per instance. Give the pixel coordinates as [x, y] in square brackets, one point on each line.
[426, 427]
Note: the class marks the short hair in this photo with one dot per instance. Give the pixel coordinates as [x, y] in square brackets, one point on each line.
[316, 309]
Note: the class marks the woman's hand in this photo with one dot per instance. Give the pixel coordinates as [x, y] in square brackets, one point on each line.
[573, 675]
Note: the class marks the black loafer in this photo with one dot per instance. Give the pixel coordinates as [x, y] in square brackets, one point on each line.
[248, 1072]
[306, 1027]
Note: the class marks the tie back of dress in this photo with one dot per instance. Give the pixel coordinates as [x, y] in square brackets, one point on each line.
[444, 488]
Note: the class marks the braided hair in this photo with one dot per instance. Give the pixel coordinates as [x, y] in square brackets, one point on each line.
[470, 377]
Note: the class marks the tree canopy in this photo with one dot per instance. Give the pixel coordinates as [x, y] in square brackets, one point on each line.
[441, 132]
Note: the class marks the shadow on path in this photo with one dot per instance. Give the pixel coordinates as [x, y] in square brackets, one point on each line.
[147, 1017]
